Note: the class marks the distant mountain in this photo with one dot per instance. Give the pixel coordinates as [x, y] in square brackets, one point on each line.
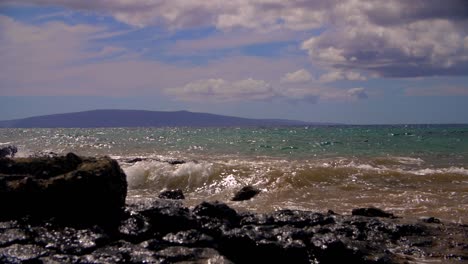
[140, 118]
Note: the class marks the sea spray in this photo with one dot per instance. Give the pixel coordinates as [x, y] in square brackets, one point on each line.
[161, 174]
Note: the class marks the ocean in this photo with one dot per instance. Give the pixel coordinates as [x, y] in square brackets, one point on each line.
[410, 170]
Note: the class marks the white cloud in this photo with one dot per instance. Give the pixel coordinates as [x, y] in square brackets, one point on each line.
[336, 75]
[394, 38]
[330, 55]
[359, 93]
[313, 94]
[55, 58]
[266, 15]
[419, 48]
[220, 90]
[300, 76]
[259, 15]
[331, 76]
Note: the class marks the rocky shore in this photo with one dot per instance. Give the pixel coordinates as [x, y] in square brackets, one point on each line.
[72, 210]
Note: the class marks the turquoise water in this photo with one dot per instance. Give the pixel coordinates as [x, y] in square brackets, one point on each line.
[412, 170]
[442, 144]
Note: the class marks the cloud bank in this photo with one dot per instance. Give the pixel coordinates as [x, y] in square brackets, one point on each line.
[347, 41]
[300, 76]
[395, 38]
[221, 90]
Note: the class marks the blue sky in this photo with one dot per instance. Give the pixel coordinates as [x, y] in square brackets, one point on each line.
[357, 62]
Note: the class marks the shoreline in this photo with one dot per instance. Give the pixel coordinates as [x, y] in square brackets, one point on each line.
[165, 231]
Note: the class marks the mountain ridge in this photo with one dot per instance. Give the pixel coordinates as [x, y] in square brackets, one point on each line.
[143, 118]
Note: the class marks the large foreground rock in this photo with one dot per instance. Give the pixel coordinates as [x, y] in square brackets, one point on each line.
[69, 189]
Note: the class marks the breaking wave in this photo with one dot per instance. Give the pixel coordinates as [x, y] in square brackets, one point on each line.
[338, 184]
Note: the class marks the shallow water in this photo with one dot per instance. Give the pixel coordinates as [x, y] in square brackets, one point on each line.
[412, 171]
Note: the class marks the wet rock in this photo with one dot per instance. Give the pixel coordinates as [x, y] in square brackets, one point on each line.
[329, 249]
[121, 252]
[191, 255]
[176, 162]
[165, 215]
[135, 228]
[331, 212]
[146, 235]
[8, 152]
[176, 194]
[21, 254]
[214, 217]
[410, 230]
[216, 211]
[289, 217]
[372, 212]
[13, 236]
[59, 259]
[261, 245]
[246, 193]
[431, 220]
[69, 189]
[69, 240]
[135, 160]
[189, 238]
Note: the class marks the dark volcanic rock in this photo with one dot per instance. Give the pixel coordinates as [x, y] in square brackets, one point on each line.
[371, 212]
[67, 240]
[190, 238]
[216, 210]
[122, 252]
[21, 253]
[246, 193]
[191, 255]
[431, 220]
[163, 216]
[163, 231]
[176, 162]
[8, 151]
[70, 189]
[289, 217]
[136, 228]
[135, 160]
[262, 245]
[176, 194]
[12, 236]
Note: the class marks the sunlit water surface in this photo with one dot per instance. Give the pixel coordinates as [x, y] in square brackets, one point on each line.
[412, 171]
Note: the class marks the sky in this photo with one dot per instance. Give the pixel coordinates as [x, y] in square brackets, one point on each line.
[345, 61]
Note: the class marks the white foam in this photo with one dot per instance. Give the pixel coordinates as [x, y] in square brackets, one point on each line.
[409, 161]
[454, 170]
[421, 172]
[160, 174]
[136, 176]
[192, 168]
[23, 153]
